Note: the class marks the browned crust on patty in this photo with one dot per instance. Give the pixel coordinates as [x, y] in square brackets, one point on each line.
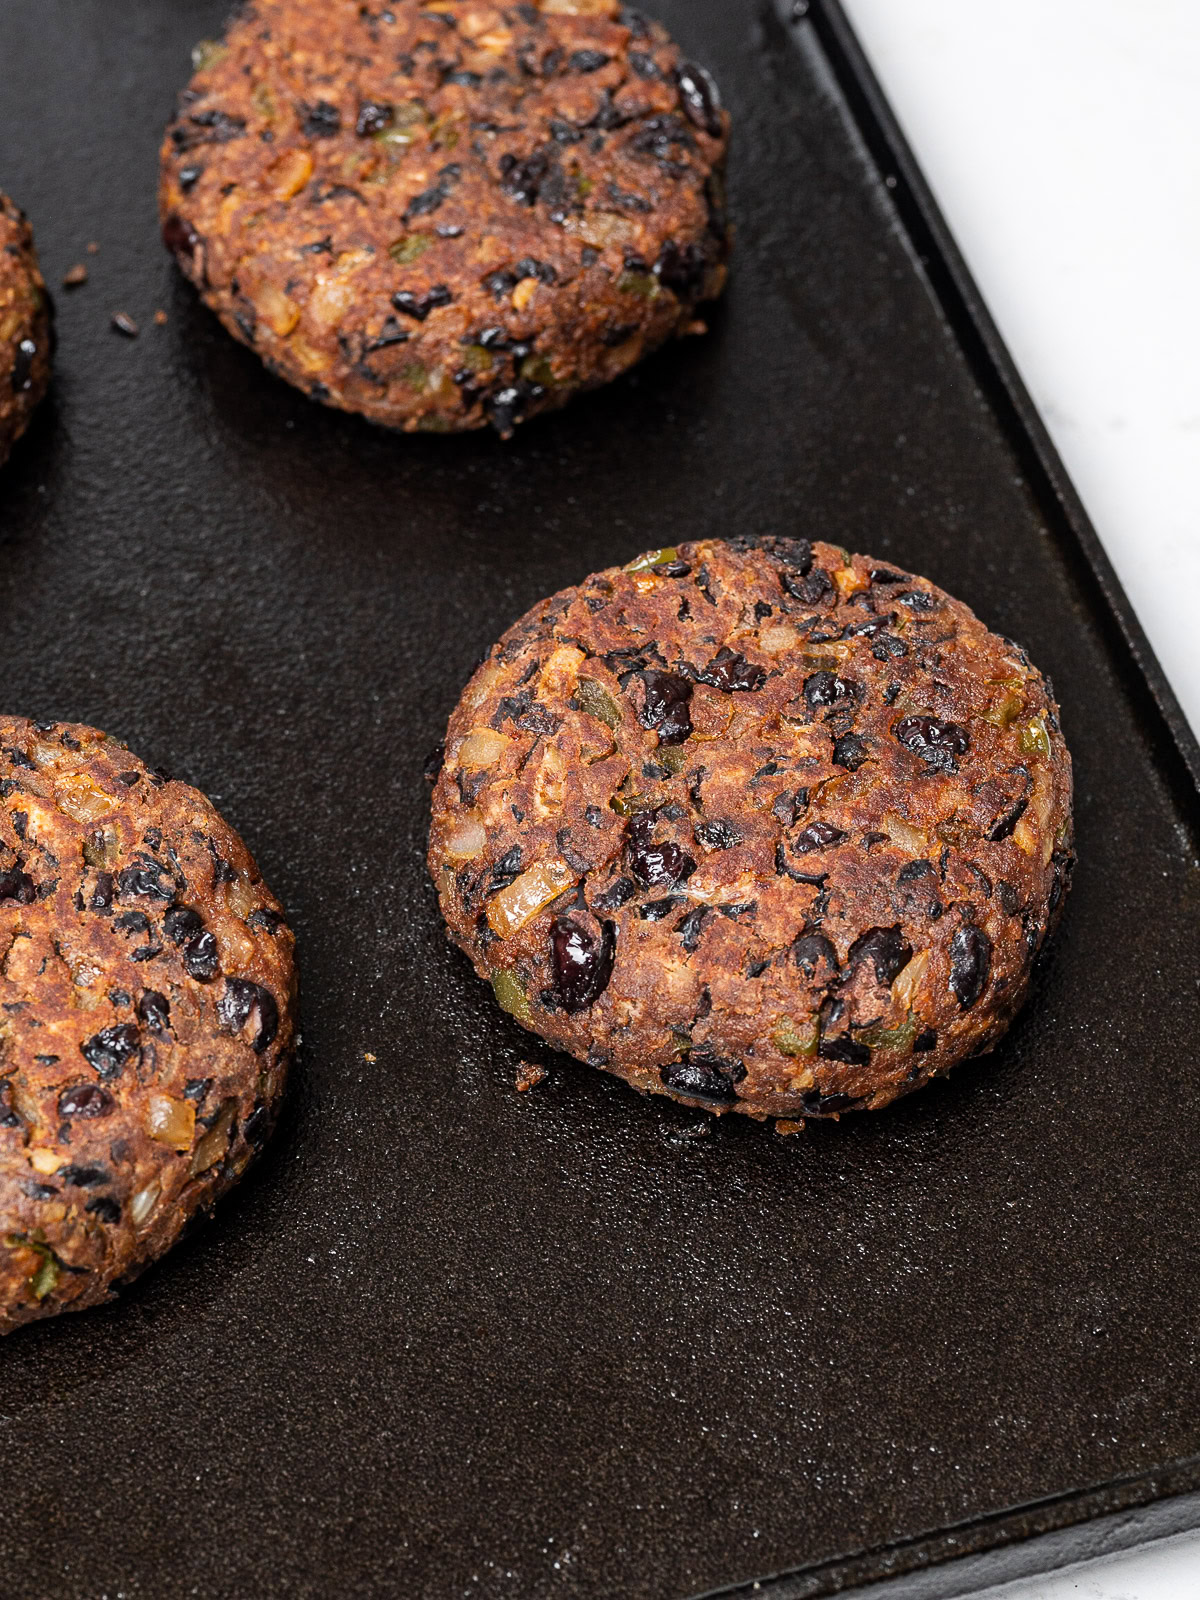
[445, 214]
[147, 996]
[25, 327]
[757, 824]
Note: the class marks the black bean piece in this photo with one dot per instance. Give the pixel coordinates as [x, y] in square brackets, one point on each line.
[244, 1000]
[181, 924]
[818, 835]
[850, 752]
[645, 66]
[883, 575]
[844, 1048]
[580, 963]
[104, 1207]
[828, 689]
[886, 949]
[154, 1010]
[816, 589]
[970, 964]
[133, 922]
[812, 952]
[700, 97]
[258, 1125]
[1004, 825]
[732, 673]
[589, 60]
[924, 1042]
[523, 180]
[620, 894]
[85, 1100]
[888, 648]
[18, 886]
[145, 882]
[655, 864]
[816, 1104]
[658, 910]
[936, 742]
[913, 870]
[82, 1177]
[704, 1077]
[322, 121]
[180, 238]
[110, 1050]
[373, 117]
[717, 835]
[918, 600]
[666, 706]
[789, 807]
[419, 306]
[691, 926]
[507, 870]
[683, 271]
[202, 958]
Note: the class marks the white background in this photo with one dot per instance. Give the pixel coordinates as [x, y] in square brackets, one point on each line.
[1062, 139]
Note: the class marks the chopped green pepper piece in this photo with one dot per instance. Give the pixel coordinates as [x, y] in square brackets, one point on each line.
[511, 996]
[1035, 741]
[478, 359]
[674, 757]
[207, 53]
[900, 1038]
[792, 1039]
[598, 703]
[415, 376]
[643, 284]
[653, 558]
[49, 1268]
[405, 251]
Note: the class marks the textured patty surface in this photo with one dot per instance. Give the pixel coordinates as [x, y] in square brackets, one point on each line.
[146, 1014]
[440, 214]
[759, 825]
[25, 331]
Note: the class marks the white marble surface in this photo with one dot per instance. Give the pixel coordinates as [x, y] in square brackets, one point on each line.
[1062, 138]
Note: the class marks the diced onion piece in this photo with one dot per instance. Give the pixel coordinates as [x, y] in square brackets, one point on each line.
[280, 313]
[81, 799]
[909, 980]
[143, 1202]
[45, 1161]
[171, 1121]
[905, 835]
[215, 1142]
[482, 748]
[512, 908]
[467, 840]
[290, 173]
[774, 641]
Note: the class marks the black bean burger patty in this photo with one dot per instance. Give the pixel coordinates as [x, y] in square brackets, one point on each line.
[450, 213]
[25, 327]
[147, 996]
[760, 825]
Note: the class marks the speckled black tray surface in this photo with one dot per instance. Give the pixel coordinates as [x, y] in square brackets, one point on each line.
[451, 1340]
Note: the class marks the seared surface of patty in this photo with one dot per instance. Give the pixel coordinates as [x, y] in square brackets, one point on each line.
[25, 327]
[146, 1014]
[759, 825]
[441, 215]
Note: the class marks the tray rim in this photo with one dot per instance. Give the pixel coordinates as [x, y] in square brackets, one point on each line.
[1096, 1519]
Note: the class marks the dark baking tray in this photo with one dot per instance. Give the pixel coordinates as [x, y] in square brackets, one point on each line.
[450, 1340]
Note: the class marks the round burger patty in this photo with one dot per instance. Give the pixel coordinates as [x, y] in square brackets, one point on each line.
[760, 825]
[25, 327]
[448, 213]
[147, 995]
